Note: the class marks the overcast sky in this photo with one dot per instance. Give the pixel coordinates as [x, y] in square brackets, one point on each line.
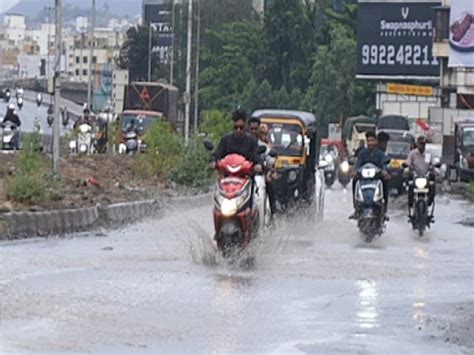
[7, 4]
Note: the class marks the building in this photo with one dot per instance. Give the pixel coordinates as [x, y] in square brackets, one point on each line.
[119, 83]
[457, 83]
[15, 27]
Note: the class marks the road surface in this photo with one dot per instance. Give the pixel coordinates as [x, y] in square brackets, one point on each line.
[28, 114]
[315, 289]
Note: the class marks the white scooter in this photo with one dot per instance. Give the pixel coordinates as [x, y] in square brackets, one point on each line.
[83, 143]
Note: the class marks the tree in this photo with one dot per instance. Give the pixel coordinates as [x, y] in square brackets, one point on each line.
[289, 37]
[134, 54]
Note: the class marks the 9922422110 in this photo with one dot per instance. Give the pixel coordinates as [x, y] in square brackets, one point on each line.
[408, 54]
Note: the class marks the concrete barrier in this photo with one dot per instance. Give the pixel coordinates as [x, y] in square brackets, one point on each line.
[33, 224]
[20, 225]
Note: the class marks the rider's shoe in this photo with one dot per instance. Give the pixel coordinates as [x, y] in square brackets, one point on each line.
[355, 215]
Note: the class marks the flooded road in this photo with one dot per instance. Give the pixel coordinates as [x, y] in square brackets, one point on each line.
[315, 288]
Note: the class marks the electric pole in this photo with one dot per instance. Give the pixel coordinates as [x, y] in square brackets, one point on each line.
[149, 52]
[198, 49]
[91, 49]
[187, 95]
[57, 90]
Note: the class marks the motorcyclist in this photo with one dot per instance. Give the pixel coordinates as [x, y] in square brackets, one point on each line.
[11, 116]
[238, 142]
[420, 162]
[85, 119]
[371, 154]
[260, 132]
[382, 144]
[359, 148]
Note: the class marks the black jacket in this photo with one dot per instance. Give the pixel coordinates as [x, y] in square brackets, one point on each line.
[246, 146]
[12, 117]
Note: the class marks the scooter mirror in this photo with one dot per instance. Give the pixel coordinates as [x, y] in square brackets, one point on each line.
[261, 149]
[273, 153]
[438, 165]
[404, 165]
[209, 145]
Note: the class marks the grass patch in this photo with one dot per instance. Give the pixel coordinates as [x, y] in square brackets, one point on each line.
[29, 183]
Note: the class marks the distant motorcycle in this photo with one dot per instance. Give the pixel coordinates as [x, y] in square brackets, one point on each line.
[19, 102]
[65, 116]
[50, 116]
[329, 169]
[9, 136]
[7, 96]
[344, 173]
[369, 198]
[39, 99]
[83, 144]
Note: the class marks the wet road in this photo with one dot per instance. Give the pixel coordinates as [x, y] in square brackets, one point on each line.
[315, 288]
[27, 115]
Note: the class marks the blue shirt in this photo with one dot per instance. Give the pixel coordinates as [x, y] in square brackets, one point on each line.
[377, 157]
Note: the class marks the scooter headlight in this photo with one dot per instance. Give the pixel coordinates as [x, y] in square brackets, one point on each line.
[421, 183]
[292, 175]
[345, 167]
[229, 207]
[83, 148]
[72, 145]
[369, 173]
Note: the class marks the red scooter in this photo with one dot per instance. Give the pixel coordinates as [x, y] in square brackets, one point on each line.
[236, 216]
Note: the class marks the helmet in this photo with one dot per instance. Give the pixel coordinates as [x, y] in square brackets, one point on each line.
[11, 107]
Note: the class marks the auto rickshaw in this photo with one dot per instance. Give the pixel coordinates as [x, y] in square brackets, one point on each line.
[294, 136]
[354, 131]
[399, 146]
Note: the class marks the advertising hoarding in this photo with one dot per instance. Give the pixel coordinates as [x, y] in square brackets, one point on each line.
[160, 17]
[461, 34]
[395, 40]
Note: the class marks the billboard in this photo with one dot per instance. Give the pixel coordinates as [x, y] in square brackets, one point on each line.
[461, 34]
[395, 40]
[160, 17]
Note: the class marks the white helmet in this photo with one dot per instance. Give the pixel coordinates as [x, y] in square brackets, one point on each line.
[11, 107]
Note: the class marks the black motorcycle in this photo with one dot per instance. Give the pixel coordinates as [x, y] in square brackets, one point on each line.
[421, 216]
[369, 201]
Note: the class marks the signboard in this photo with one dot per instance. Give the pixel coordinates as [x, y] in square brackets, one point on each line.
[160, 17]
[395, 39]
[461, 34]
[417, 90]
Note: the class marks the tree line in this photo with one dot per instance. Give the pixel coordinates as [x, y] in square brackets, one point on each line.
[300, 55]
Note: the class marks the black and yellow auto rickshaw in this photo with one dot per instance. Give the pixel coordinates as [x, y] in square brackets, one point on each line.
[294, 136]
[399, 146]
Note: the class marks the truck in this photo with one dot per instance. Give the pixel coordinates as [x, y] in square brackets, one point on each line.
[152, 97]
[457, 128]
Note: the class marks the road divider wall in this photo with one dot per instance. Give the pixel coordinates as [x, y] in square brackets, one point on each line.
[21, 225]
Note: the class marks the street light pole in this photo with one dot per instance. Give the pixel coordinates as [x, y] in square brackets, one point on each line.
[198, 49]
[173, 19]
[91, 49]
[187, 95]
[57, 90]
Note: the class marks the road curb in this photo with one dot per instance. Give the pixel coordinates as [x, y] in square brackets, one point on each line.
[23, 225]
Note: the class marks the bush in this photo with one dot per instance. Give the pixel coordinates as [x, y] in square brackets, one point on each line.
[164, 150]
[29, 184]
[192, 169]
[471, 187]
[215, 124]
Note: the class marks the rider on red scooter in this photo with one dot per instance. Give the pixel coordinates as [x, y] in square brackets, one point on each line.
[238, 142]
